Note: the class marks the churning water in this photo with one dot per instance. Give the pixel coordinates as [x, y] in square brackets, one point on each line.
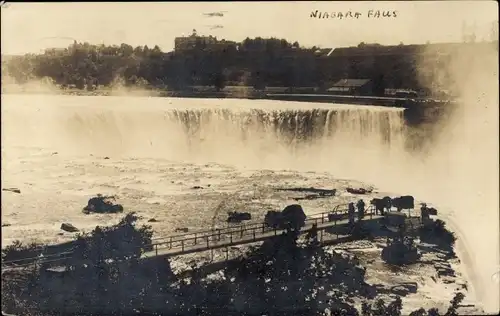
[264, 134]
[357, 142]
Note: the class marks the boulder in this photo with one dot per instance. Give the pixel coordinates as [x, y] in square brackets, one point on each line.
[69, 227]
[238, 217]
[273, 219]
[294, 216]
[102, 204]
[442, 271]
[404, 289]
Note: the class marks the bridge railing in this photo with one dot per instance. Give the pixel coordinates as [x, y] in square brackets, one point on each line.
[254, 230]
[26, 262]
[183, 241]
[220, 232]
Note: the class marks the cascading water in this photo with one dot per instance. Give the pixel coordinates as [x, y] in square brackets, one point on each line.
[292, 128]
[265, 134]
[364, 143]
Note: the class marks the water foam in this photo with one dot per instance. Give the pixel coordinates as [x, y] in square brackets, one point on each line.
[365, 143]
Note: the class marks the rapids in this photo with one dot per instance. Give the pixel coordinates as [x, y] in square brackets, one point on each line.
[357, 142]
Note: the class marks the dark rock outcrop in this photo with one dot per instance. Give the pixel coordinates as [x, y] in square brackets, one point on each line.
[292, 217]
[401, 252]
[238, 217]
[405, 202]
[69, 227]
[102, 204]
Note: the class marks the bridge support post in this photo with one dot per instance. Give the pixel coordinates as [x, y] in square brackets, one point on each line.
[182, 244]
[156, 250]
[208, 245]
[195, 237]
[263, 227]
[241, 232]
[253, 234]
[218, 231]
[227, 253]
[170, 245]
[231, 237]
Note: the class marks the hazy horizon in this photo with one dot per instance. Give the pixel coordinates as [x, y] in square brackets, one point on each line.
[417, 22]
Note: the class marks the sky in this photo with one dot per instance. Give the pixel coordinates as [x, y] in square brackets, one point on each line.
[32, 27]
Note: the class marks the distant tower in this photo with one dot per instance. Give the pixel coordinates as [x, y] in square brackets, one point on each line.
[194, 32]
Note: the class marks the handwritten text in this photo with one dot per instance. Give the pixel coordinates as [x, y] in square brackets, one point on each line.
[372, 14]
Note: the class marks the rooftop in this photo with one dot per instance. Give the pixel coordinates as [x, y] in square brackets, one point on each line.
[351, 82]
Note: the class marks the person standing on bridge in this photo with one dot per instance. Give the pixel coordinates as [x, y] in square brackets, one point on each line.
[361, 209]
[351, 213]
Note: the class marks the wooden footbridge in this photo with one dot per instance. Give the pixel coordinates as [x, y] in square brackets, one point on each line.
[235, 235]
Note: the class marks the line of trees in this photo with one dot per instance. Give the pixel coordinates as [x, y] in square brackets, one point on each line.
[279, 277]
[258, 62]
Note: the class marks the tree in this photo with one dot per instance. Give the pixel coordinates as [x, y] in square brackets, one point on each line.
[120, 242]
[258, 80]
[219, 81]
[278, 62]
[379, 85]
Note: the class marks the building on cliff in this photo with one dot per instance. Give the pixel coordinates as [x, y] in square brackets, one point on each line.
[195, 41]
[352, 87]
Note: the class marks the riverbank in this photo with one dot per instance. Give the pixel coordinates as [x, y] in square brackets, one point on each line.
[300, 94]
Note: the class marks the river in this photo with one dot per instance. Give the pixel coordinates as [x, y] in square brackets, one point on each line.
[367, 143]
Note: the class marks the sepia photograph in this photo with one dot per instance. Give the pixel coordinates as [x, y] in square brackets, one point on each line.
[250, 158]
